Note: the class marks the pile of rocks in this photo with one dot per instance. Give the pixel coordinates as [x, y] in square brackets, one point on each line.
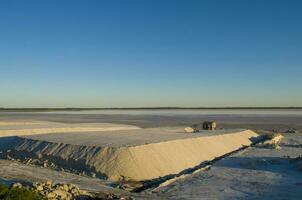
[109, 196]
[59, 191]
[272, 141]
[41, 163]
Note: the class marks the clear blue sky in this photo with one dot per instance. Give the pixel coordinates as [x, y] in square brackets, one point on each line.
[59, 53]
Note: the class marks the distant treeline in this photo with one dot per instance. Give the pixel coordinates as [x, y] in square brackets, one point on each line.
[141, 108]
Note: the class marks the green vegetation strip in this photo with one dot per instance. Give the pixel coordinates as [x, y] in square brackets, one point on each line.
[13, 193]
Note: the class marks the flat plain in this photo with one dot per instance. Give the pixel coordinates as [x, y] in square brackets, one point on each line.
[252, 173]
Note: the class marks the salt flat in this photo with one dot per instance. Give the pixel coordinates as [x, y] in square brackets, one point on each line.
[252, 174]
[16, 128]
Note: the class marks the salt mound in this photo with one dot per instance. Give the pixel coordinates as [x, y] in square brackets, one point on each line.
[139, 162]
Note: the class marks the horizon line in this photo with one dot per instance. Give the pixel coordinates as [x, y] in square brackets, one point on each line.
[140, 108]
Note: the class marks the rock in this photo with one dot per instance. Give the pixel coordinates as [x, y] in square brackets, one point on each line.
[112, 196]
[276, 146]
[17, 185]
[51, 195]
[93, 175]
[190, 129]
[60, 193]
[74, 192]
[57, 186]
[291, 130]
[39, 188]
[36, 184]
[273, 141]
[28, 161]
[66, 187]
[9, 158]
[130, 185]
[48, 183]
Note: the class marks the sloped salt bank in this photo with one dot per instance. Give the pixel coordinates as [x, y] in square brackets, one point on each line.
[166, 152]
